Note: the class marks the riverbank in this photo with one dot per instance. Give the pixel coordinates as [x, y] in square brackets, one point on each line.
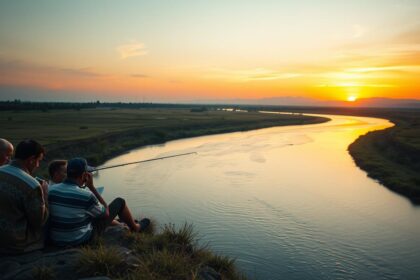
[101, 134]
[391, 156]
[170, 253]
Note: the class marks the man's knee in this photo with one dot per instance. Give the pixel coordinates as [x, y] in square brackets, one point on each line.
[120, 202]
[116, 207]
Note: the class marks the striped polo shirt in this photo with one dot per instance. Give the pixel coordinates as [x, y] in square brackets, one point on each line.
[71, 212]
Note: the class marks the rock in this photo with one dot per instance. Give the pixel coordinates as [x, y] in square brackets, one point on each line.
[114, 235]
[59, 263]
[208, 273]
[62, 263]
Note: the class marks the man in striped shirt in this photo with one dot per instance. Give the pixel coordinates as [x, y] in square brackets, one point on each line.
[78, 214]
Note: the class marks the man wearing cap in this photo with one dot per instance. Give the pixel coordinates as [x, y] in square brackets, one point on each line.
[23, 208]
[78, 214]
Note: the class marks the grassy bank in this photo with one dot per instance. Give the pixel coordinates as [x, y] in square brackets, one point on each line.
[100, 134]
[171, 253]
[391, 156]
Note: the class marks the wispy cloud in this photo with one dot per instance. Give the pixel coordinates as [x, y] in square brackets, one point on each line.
[355, 85]
[23, 73]
[392, 68]
[131, 50]
[258, 74]
[139, 76]
[16, 67]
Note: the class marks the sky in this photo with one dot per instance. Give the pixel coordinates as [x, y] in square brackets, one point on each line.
[175, 51]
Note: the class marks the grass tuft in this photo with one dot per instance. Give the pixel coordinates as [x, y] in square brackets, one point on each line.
[173, 254]
[43, 273]
[182, 239]
[166, 265]
[101, 261]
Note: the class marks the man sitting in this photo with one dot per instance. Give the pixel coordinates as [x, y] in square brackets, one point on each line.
[78, 214]
[57, 169]
[6, 151]
[23, 210]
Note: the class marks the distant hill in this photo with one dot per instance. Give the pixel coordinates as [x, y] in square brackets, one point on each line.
[302, 101]
[388, 102]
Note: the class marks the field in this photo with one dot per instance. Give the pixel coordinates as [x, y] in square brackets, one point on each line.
[391, 156]
[101, 133]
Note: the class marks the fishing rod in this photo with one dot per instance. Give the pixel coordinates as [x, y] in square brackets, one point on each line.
[141, 161]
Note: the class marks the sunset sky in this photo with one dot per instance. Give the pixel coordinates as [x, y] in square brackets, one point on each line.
[205, 50]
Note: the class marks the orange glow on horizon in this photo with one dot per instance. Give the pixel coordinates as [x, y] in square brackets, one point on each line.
[351, 98]
[223, 84]
[211, 50]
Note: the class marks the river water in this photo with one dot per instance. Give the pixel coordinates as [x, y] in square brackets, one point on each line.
[286, 202]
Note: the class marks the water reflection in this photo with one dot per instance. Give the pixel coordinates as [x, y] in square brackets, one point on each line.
[287, 202]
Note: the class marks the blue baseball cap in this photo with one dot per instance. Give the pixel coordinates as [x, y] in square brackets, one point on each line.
[76, 166]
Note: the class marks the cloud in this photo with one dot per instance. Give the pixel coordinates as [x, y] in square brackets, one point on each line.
[139, 76]
[81, 72]
[131, 50]
[22, 73]
[392, 68]
[272, 76]
[9, 66]
[258, 74]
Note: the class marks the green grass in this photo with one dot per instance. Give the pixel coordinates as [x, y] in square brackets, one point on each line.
[101, 260]
[392, 156]
[100, 134]
[43, 273]
[171, 253]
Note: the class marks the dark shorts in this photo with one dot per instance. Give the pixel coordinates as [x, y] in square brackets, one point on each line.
[100, 224]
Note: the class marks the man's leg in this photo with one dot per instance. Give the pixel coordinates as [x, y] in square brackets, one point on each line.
[119, 206]
[100, 224]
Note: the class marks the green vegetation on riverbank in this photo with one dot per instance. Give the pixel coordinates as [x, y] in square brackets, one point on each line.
[392, 156]
[100, 134]
[169, 254]
[100, 131]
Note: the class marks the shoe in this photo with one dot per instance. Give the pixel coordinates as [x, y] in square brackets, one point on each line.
[144, 223]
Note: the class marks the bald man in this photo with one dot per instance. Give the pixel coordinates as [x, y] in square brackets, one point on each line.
[6, 151]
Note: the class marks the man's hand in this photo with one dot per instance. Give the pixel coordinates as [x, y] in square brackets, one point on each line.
[89, 180]
[89, 184]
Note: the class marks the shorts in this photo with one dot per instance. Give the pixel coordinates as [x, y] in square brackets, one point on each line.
[100, 224]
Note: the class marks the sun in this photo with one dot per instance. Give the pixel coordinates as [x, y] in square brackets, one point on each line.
[351, 98]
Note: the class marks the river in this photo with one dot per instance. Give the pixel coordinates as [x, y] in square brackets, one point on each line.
[286, 202]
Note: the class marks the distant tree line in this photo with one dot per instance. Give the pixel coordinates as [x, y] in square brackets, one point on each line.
[390, 113]
[18, 105]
